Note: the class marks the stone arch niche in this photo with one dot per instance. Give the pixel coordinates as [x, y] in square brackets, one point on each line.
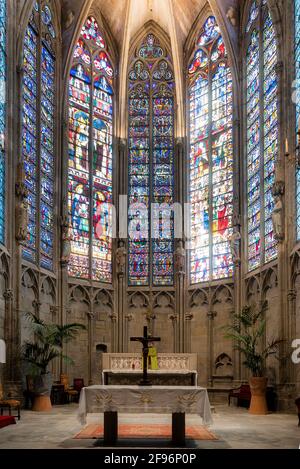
[29, 302]
[271, 305]
[161, 321]
[78, 349]
[220, 316]
[198, 306]
[101, 332]
[48, 310]
[138, 311]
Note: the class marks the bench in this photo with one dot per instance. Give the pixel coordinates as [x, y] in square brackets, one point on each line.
[243, 395]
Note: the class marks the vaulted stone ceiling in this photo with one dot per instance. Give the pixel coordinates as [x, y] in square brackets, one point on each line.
[126, 17]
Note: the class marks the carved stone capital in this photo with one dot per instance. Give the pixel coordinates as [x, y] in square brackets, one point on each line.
[113, 317]
[36, 305]
[179, 143]
[122, 145]
[211, 315]
[8, 295]
[173, 317]
[292, 295]
[91, 315]
[129, 317]
[21, 190]
[278, 188]
[189, 316]
[279, 66]
[54, 310]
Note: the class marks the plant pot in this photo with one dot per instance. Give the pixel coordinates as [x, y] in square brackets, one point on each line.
[42, 385]
[258, 404]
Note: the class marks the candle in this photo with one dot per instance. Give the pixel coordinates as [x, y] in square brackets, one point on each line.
[286, 146]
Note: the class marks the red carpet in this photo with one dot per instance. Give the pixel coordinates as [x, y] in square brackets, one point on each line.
[6, 420]
[145, 431]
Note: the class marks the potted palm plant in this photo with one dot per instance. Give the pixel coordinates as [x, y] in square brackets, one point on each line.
[40, 352]
[248, 331]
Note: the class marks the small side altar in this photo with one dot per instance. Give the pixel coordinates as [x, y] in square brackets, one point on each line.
[174, 369]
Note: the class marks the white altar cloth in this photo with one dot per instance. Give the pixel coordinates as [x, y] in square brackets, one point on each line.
[145, 399]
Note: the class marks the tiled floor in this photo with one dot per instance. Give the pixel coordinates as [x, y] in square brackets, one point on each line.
[233, 426]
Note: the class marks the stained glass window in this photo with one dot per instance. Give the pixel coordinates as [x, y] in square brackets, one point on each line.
[262, 135]
[2, 115]
[151, 165]
[38, 134]
[210, 157]
[297, 78]
[90, 157]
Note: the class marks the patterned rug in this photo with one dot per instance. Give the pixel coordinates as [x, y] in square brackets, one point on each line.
[145, 431]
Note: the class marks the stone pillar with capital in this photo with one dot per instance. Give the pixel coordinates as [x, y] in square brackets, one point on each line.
[91, 317]
[210, 352]
[128, 319]
[113, 317]
[188, 332]
[174, 319]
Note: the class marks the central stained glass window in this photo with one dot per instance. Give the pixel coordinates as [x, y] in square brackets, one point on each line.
[151, 165]
[210, 157]
[91, 100]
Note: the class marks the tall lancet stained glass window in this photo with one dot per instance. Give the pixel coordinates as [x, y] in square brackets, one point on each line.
[90, 156]
[2, 115]
[151, 165]
[262, 133]
[297, 94]
[210, 157]
[38, 133]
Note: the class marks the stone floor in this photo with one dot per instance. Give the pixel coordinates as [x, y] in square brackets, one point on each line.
[233, 426]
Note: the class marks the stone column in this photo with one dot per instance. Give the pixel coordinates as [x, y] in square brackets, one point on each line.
[174, 319]
[128, 319]
[114, 339]
[180, 257]
[188, 332]
[91, 317]
[121, 292]
[55, 363]
[291, 297]
[210, 349]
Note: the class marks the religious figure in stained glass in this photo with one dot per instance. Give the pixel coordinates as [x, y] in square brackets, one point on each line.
[151, 165]
[210, 157]
[262, 133]
[2, 115]
[90, 157]
[38, 133]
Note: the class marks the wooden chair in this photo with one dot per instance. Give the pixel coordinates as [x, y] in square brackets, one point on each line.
[243, 395]
[71, 393]
[9, 404]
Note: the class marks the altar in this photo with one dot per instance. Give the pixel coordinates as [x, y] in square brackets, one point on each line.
[175, 400]
[175, 369]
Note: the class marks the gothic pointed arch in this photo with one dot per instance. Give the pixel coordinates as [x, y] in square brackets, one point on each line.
[262, 131]
[151, 159]
[210, 160]
[90, 155]
[38, 132]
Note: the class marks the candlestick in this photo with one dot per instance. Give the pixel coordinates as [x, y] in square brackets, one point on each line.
[286, 146]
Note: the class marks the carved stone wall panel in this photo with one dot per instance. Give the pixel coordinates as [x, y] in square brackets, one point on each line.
[198, 305]
[223, 306]
[101, 332]
[139, 309]
[47, 300]
[28, 303]
[78, 349]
